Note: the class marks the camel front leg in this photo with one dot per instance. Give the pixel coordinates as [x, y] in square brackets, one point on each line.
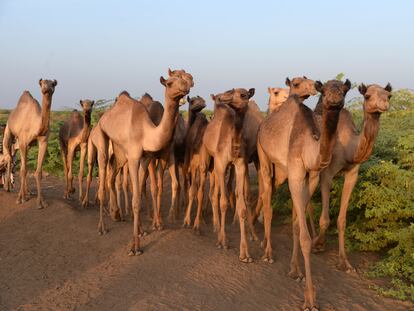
[71, 154]
[153, 187]
[81, 169]
[219, 171]
[91, 160]
[175, 187]
[65, 171]
[42, 142]
[349, 184]
[324, 221]
[313, 184]
[157, 220]
[266, 179]
[125, 188]
[21, 197]
[240, 168]
[135, 248]
[299, 189]
[191, 196]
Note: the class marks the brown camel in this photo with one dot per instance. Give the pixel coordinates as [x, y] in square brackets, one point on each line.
[29, 122]
[351, 149]
[223, 141]
[74, 134]
[287, 139]
[197, 123]
[277, 96]
[129, 127]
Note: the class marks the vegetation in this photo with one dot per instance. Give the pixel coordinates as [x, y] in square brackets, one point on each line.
[381, 212]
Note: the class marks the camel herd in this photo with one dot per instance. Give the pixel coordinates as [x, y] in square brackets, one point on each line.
[137, 139]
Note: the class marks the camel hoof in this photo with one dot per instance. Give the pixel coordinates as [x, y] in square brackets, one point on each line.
[143, 234]
[102, 232]
[246, 260]
[135, 252]
[268, 260]
[310, 309]
[345, 266]
[19, 201]
[297, 276]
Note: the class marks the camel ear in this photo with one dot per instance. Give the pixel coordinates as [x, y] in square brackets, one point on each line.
[40, 81]
[347, 85]
[213, 97]
[92, 103]
[318, 86]
[362, 89]
[388, 87]
[170, 73]
[81, 103]
[54, 82]
[304, 77]
[287, 82]
[251, 92]
[269, 90]
[163, 81]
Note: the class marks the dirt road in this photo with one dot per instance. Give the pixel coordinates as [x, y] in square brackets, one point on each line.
[53, 259]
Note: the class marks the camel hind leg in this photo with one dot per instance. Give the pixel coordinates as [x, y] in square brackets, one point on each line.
[81, 169]
[91, 161]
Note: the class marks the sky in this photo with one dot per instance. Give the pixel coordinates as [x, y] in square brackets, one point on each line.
[96, 49]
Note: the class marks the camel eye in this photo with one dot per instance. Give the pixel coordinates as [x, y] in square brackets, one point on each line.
[367, 97]
[276, 93]
[295, 84]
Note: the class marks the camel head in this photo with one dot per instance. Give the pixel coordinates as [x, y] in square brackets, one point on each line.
[376, 98]
[333, 93]
[277, 96]
[196, 103]
[146, 100]
[175, 88]
[236, 98]
[181, 74]
[47, 87]
[301, 86]
[87, 105]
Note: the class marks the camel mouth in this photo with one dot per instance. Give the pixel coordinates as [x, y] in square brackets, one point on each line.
[198, 106]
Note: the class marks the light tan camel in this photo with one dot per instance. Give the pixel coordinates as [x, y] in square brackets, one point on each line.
[299, 157]
[132, 133]
[351, 149]
[29, 122]
[223, 141]
[73, 135]
[277, 96]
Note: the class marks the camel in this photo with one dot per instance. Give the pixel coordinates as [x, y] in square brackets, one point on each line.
[29, 122]
[277, 96]
[287, 139]
[74, 134]
[197, 123]
[128, 125]
[351, 149]
[222, 140]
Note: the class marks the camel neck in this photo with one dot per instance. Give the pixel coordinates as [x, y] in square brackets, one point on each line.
[160, 136]
[328, 135]
[367, 137]
[45, 114]
[238, 131]
[86, 119]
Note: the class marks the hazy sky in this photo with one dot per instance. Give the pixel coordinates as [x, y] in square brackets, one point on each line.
[95, 49]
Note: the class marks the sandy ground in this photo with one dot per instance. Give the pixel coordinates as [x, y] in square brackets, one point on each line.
[53, 259]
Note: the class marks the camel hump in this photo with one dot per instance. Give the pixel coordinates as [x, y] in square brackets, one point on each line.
[26, 96]
[124, 93]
